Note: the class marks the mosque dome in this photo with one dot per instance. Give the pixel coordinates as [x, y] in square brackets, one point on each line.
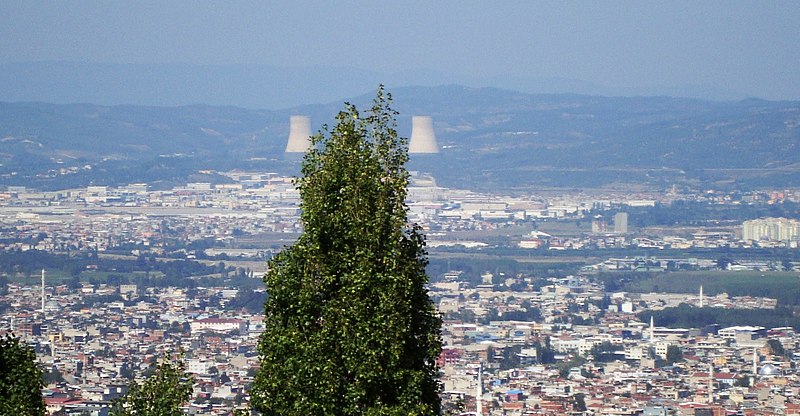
[769, 370]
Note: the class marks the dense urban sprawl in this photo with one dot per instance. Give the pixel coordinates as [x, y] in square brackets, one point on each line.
[513, 343]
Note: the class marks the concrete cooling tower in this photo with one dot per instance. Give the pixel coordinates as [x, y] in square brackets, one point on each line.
[423, 140]
[299, 134]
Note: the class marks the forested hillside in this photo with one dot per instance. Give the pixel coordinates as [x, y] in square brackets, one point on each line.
[490, 139]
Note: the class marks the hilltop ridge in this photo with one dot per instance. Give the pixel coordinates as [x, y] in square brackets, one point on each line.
[490, 138]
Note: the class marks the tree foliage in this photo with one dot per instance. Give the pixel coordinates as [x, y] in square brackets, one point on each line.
[605, 352]
[775, 347]
[349, 326]
[161, 394]
[674, 354]
[20, 379]
[579, 402]
[686, 316]
[777, 285]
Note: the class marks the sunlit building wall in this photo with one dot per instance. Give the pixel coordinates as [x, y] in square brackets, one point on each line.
[771, 229]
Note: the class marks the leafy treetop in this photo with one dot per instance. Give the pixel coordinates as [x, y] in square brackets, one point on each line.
[350, 329]
[20, 379]
[161, 394]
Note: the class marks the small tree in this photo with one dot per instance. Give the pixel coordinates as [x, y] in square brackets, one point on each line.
[52, 376]
[161, 394]
[674, 354]
[787, 265]
[20, 379]
[775, 347]
[604, 352]
[579, 402]
[349, 326]
[723, 263]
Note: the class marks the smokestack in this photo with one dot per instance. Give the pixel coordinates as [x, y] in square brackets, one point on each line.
[423, 140]
[299, 134]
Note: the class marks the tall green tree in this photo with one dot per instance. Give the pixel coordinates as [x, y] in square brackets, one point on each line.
[161, 394]
[349, 326]
[20, 379]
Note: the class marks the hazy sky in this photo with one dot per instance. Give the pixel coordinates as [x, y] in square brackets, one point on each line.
[747, 47]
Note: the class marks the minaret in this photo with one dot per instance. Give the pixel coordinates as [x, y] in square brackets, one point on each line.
[42, 290]
[701, 296]
[755, 367]
[423, 140]
[479, 392]
[652, 329]
[299, 134]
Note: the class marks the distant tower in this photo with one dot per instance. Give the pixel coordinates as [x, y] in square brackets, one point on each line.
[299, 134]
[755, 363]
[621, 223]
[701, 296]
[652, 328]
[42, 290]
[423, 140]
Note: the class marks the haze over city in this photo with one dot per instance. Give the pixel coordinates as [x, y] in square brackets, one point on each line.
[281, 54]
[211, 208]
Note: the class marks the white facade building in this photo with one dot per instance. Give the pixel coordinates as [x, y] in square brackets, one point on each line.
[771, 229]
[218, 325]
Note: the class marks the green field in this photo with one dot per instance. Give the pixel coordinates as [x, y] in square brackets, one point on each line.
[784, 286]
[58, 277]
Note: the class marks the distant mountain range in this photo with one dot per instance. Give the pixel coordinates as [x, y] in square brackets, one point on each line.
[490, 139]
[263, 86]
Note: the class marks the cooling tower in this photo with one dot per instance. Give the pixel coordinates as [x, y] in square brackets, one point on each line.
[422, 138]
[299, 134]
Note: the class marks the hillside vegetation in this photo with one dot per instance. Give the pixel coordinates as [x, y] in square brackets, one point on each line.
[783, 286]
[490, 139]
